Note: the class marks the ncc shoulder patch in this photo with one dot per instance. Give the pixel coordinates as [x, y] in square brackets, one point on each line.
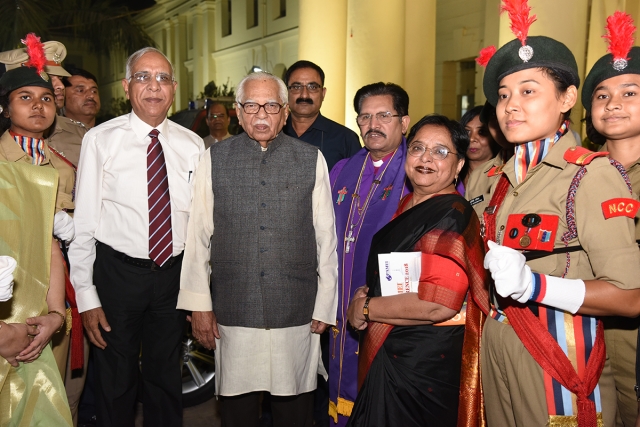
[496, 170]
[620, 207]
[581, 156]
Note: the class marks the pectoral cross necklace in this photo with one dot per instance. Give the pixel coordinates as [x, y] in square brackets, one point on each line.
[355, 201]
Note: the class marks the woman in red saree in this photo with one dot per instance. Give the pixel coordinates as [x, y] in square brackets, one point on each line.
[411, 352]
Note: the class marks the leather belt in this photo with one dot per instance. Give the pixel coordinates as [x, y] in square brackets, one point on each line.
[146, 264]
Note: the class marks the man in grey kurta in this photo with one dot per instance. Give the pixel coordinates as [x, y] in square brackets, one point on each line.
[273, 260]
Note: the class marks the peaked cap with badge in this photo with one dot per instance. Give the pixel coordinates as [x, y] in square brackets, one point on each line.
[622, 58]
[55, 53]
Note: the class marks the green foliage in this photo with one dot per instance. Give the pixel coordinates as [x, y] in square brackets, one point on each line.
[120, 106]
[102, 25]
[211, 90]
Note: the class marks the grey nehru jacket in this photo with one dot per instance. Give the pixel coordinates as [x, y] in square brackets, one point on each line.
[263, 249]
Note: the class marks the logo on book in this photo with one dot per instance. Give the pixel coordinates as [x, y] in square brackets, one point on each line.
[387, 274]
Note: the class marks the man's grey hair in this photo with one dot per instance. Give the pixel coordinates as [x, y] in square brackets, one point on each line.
[261, 75]
[138, 54]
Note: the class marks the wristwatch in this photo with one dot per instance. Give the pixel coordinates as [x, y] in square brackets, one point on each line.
[365, 309]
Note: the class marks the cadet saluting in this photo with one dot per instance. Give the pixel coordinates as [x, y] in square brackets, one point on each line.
[546, 364]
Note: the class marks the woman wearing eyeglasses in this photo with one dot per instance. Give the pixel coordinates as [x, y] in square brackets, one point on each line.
[411, 353]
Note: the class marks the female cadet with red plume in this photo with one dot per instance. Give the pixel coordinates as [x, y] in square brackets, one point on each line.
[559, 254]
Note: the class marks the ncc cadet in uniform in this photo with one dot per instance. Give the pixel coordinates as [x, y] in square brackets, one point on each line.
[65, 137]
[64, 141]
[561, 252]
[611, 96]
[481, 178]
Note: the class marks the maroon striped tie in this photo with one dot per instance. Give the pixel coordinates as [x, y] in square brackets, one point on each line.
[160, 240]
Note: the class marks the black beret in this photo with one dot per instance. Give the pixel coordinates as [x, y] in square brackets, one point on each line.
[23, 76]
[547, 53]
[603, 70]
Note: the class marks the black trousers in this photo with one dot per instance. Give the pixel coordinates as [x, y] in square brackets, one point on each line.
[287, 411]
[140, 306]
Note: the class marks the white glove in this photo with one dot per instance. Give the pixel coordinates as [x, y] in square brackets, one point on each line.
[63, 227]
[7, 265]
[511, 274]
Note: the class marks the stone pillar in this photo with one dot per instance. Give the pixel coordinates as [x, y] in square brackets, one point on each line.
[420, 57]
[208, 41]
[323, 40]
[179, 56]
[375, 47]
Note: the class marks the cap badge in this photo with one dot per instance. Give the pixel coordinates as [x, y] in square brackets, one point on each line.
[44, 75]
[57, 58]
[525, 53]
[620, 64]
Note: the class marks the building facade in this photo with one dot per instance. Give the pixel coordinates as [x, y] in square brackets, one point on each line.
[426, 46]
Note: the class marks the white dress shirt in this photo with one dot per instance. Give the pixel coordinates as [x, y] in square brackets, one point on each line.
[283, 361]
[111, 193]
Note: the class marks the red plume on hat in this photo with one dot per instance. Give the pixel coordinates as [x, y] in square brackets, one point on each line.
[518, 11]
[619, 35]
[485, 55]
[35, 50]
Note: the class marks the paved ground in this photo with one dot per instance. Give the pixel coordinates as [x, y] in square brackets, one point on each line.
[203, 415]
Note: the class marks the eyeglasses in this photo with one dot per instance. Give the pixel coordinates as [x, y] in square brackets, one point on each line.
[439, 152]
[311, 87]
[145, 77]
[385, 117]
[254, 107]
[216, 116]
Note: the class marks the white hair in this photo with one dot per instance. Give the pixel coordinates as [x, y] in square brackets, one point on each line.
[260, 75]
[131, 61]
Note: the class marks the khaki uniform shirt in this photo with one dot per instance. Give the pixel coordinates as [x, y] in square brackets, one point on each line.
[478, 187]
[621, 336]
[634, 176]
[10, 151]
[609, 249]
[66, 138]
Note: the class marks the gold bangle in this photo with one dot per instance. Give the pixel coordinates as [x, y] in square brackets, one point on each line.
[365, 309]
[61, 316]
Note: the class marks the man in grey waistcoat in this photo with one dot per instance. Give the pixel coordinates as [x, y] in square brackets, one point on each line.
[260, 269]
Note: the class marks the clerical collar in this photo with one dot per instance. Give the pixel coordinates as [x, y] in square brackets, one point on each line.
[378, 163]
[33, 147]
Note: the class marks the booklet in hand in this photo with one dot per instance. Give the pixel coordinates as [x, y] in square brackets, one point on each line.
[399, 272]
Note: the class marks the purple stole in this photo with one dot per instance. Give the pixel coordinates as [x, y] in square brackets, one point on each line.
[353, 251]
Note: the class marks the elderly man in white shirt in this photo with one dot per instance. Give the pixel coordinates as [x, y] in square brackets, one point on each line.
[132, 208]
[271, 244]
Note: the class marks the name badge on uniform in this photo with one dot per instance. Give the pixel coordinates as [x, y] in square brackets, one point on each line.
[531, 232]
[476, 200]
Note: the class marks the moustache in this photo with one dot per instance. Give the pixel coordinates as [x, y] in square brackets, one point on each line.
[370, 131]
[304, 101]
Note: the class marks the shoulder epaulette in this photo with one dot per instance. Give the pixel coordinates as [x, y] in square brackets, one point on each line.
[581, 156]
[496, 170]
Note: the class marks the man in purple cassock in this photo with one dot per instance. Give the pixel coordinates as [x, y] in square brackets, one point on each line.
[366, 190]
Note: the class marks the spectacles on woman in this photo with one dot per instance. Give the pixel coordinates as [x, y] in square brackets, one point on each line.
[439, 152]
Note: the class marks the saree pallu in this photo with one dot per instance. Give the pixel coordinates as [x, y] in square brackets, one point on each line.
[411, 375]
[32, 394]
